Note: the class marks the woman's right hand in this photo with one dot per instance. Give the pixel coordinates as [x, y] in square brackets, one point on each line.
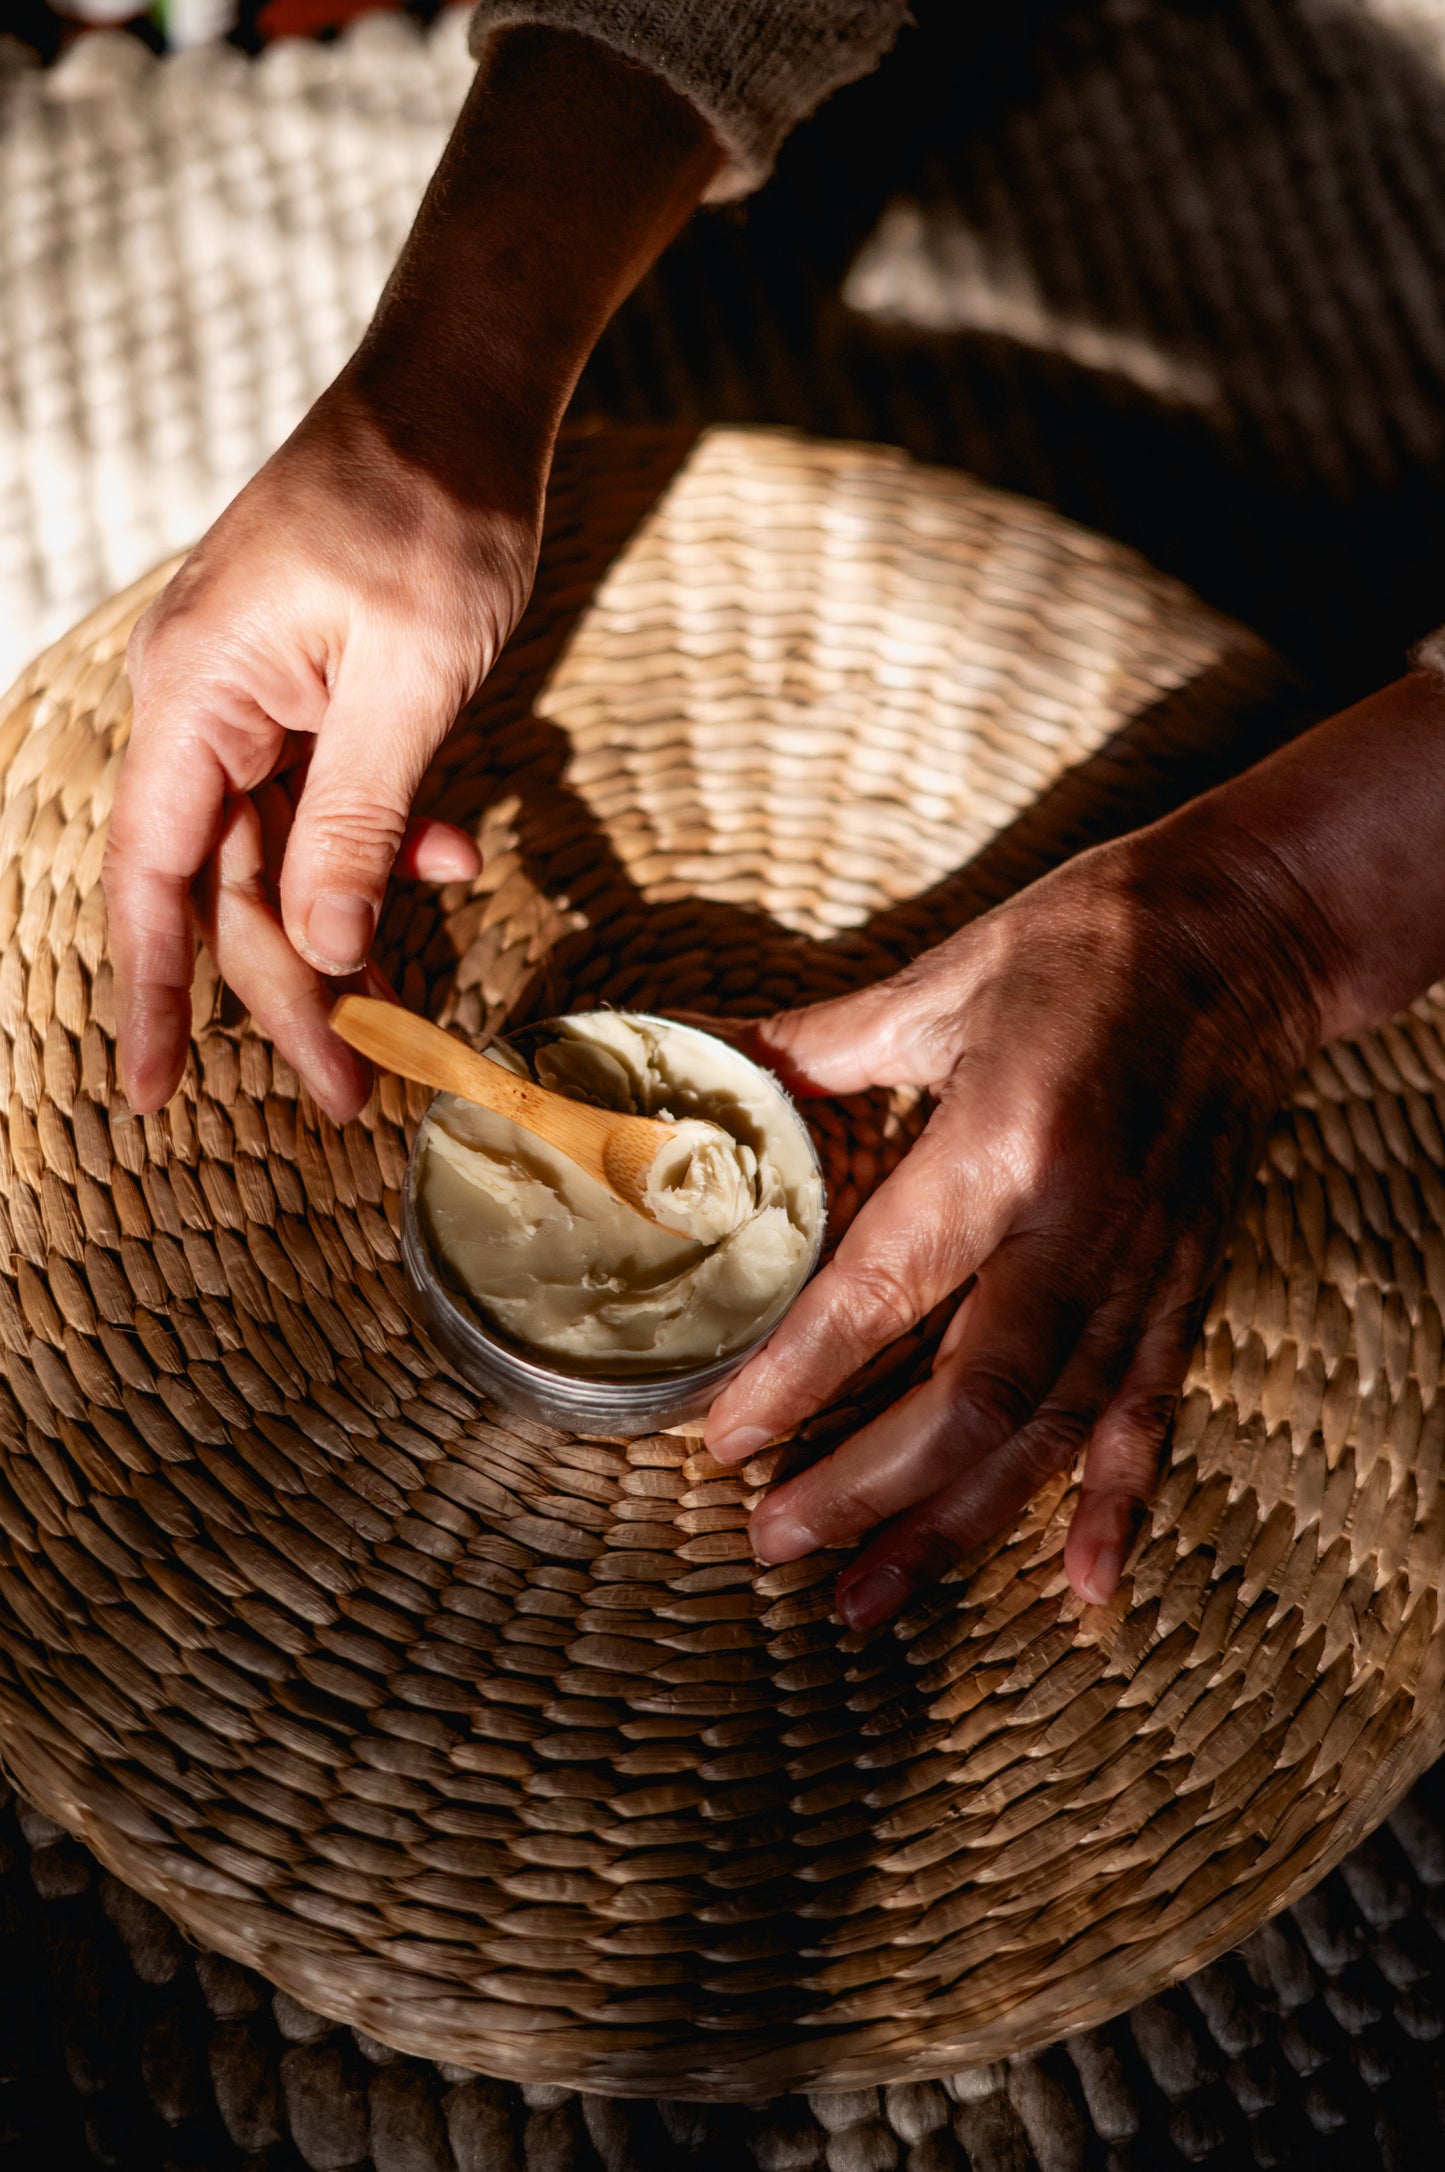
[291, 685]
[295, 679]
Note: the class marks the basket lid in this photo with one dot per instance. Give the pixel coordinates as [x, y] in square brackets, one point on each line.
[495, 1741]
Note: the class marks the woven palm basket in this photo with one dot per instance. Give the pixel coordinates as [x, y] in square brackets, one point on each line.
[497, 1743]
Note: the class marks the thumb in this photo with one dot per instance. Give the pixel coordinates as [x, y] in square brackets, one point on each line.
[899, 1032]
[372, 752]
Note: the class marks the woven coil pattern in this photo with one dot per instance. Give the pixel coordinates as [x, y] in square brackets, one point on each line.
[1318, 2044]
[497, 1743]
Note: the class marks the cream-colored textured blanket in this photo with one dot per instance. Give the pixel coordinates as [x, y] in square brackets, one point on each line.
[188, 251]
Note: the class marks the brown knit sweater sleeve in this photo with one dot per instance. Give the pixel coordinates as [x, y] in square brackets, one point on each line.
[753, 68]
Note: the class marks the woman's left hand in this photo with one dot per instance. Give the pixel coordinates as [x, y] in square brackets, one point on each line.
[1106, 1050]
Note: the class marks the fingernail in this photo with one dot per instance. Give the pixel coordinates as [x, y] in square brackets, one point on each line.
[340, 931]
[872, 1597]
[779, 1535]
[743, 1441]
[1101, 1579]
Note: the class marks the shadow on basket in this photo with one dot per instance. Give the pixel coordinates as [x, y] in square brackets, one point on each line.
[496, 1741]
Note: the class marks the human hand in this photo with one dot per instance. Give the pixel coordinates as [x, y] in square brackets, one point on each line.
[291, 685]
[296, 677]
[1105, 1049]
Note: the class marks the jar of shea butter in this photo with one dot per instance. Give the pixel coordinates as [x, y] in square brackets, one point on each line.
[561, 1302]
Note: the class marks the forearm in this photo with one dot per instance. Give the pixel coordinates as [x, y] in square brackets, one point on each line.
[753, 72]
[1353, 814]
[568, 171]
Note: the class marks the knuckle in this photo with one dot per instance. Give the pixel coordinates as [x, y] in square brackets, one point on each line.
[999, 1399]
[122, 926]
[1030, 1152]
[1180, 1323]
[935, 1543]
[850, 1506]
[911, 1031]
[115, 868]
[365, 833]
[836, 1510]
[879, 1305]
[288, 1020]
[1149, 1417]
[1133, 1442]
[1052, 1444]
[159, 630]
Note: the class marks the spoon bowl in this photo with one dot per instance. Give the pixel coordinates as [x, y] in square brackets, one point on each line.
[617, 1150]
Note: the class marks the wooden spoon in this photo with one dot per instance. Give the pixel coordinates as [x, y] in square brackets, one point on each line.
[617, 1150]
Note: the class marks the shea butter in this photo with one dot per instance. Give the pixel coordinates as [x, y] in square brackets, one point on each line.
[543, 1253]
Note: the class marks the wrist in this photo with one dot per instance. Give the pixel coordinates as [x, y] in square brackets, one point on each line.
[1352, 814]
[391, 534]
[476, 464]
[1234, 912]
[568, 171]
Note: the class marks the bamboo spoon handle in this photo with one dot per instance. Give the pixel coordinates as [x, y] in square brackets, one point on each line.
[616, 1149]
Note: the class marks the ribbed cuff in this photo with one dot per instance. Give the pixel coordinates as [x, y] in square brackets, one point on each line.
[753, 72]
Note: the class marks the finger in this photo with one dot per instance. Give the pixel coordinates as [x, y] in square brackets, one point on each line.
[922, 1234]
[899, 1032]
[275, 803]
[371, 754]
[1121, 1466]
[164, 824]
[430, 851]
[1015, 1331]
[745, 1034]
[433, 851]
[921, 1546]
[371, 981]
[286, 998]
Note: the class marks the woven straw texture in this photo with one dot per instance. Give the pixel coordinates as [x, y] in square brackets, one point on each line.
[1315, 2048]
[496, 1743]
[1151, 198]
